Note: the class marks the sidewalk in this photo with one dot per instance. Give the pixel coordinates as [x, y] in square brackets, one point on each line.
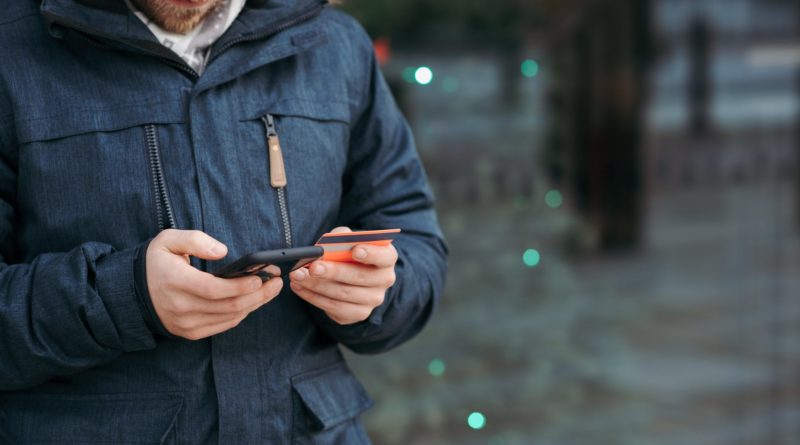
[695, 339]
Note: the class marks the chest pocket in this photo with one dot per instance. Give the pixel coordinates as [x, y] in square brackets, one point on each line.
[92, 170]
[310, 139]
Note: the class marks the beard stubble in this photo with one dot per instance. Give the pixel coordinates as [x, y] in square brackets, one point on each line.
[173, 18]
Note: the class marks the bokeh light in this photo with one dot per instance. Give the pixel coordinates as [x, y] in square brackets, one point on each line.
[553, 199]
[476, 420]
[531, 257]
[436, 367]
[423, 75]
[530, 68]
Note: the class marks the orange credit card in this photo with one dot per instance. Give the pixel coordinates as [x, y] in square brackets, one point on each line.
[337, 246]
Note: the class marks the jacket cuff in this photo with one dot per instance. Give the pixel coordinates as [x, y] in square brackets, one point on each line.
[143, 294]
[115, 285]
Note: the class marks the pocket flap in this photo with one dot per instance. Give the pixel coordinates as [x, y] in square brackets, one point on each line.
[108, 418]
[77, 121]
[332, 395]
[321, 110]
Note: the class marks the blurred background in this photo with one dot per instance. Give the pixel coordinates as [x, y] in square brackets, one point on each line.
[618, 182]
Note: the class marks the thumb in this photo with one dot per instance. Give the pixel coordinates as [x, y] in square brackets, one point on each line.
[341, 229]
[194, 243]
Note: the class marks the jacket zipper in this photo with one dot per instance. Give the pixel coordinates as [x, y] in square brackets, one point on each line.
[164, 214]
[277, 175]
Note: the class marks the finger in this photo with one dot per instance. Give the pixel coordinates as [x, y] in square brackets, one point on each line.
[201, 325]
[343, 292]
[341, 312]
[243, 303]
[205, 285]
[192, 242]
[341, 229]
[379, 256]
[208, 331]
[348, 273]
[197, 322]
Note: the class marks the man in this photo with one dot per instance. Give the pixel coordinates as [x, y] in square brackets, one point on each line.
[143, 146]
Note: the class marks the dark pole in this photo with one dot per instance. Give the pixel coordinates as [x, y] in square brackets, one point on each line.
[613, 47]
[628, 32]
[699, 76]
[797, 133]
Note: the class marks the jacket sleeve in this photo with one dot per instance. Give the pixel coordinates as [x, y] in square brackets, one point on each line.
[385, 186]
[62, 312]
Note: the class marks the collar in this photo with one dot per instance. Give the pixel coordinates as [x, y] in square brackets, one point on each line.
[113, 20]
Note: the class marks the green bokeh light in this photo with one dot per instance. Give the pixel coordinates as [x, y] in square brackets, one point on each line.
[530, 68]
[476, 420]
[554, 199]
[408, 74]
[531, 257]
[436, 367]
[450, 84]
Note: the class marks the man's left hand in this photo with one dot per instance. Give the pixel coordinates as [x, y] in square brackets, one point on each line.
[348, 292]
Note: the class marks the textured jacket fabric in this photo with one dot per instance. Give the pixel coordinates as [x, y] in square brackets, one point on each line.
[85, 92]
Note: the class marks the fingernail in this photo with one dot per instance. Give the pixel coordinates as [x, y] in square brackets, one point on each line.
[318, 269]
[359, 253]
[216, 249]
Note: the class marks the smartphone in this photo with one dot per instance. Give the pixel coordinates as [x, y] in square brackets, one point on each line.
[268, 264]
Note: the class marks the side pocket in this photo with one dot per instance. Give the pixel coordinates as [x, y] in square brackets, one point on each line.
[90, 419]
[326, 405]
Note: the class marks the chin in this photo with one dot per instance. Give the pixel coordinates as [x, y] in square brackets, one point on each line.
[180, 26]
[178, 16]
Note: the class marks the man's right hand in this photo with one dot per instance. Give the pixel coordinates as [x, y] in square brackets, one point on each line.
[194, 304]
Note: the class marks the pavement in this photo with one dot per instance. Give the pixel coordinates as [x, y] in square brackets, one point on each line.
[692, 339]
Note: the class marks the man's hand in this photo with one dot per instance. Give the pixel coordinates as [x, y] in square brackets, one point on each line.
[348, 292]
[194, 304]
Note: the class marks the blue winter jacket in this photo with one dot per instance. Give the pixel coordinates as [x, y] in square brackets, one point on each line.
[107, 137]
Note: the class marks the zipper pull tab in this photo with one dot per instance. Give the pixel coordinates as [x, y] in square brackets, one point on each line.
[277, 171]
